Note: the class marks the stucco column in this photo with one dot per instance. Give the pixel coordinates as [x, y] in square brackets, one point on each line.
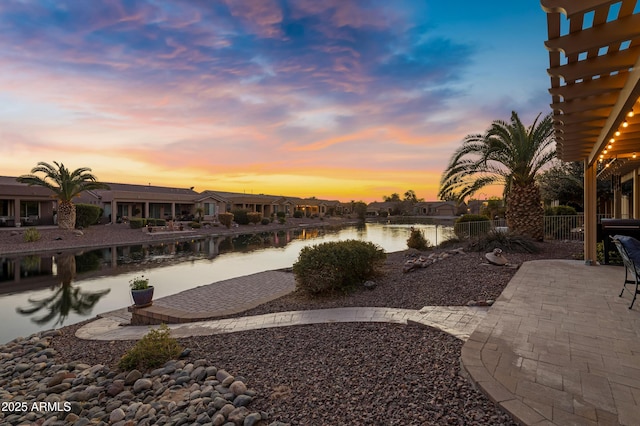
[590, 211]
[173, 211]
[114, 211]
[16, 211]
[146, 209]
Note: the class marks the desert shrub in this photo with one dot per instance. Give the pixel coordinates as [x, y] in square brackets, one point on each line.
[87, 215]
[282, 220]
[298, 214]
[31, 235]
[254, 217]
[156, 222]
[265, 221]
[241, 216]
[137, 223]
[226, 219]
[471, 225]
[153, 350]
[336, 266]
[507, 241]
[417, 240]
[195, 225]
[281, 214]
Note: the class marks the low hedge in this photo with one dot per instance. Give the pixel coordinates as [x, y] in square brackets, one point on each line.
[87, 215]
[336, 266]
[137, 223]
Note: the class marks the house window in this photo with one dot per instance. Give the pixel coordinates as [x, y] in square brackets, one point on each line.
[210, 209]
[29, 208]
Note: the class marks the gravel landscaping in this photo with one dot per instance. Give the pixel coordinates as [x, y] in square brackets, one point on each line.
[356, 373]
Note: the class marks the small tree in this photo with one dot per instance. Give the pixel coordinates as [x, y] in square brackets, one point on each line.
[254, 217]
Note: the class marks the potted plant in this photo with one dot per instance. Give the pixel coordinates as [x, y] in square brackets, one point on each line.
[141, 291]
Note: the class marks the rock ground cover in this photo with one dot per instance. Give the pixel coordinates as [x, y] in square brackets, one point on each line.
[325, 374]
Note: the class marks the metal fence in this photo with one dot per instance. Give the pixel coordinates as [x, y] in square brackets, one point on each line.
[570, 227]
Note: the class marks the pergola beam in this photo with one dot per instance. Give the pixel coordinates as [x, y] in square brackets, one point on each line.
[572, 8]
[617, 31]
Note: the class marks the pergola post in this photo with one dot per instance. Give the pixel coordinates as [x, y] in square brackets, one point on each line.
[636, 194]
[590, 213]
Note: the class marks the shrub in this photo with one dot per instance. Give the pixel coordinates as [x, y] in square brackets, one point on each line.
[506, 241]
[471, 225]
[137, 223]
[87, 215]
[265, 221]
[281, 214]
[153, 350]
[298, 214]
[241, 216]
[336, 266]
[31, 235]
[195, 225]
[282, 220]
[226, 219]
[156, 222]
[417, 240]
[254, 217]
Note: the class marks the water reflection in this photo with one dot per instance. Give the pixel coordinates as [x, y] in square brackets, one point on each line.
[63, 288]
[65, 298]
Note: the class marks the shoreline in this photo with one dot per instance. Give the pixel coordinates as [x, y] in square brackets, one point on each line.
[57, 240]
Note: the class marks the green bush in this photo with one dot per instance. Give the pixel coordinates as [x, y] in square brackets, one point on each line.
[241, 216]
[137, 223]
[87, 215]
[281, 214]
[265, 221]
[254, 217]
[153, 350]
[336, 266]
[226, 219]
[31, 235]
[195, 225]
[298, 214]
[417, 240]
[282, 220]
[156, 222]
[471, 225]
[560, 211]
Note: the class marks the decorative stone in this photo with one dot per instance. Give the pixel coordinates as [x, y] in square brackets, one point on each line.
[238, 388]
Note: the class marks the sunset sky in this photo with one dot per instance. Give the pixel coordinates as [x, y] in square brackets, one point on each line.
[334, 99]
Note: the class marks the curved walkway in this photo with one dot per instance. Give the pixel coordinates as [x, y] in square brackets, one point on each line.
[460, 321]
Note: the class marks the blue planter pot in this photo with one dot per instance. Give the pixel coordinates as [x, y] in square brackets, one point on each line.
[142, 298]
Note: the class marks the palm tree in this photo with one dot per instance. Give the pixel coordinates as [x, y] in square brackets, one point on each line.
[507, 153]
[65, 185]
[66, 298]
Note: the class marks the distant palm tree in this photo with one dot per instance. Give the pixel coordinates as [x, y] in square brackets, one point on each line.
[65, 185]
[507, 153]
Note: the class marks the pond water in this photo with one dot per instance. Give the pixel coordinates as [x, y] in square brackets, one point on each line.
[40, 292]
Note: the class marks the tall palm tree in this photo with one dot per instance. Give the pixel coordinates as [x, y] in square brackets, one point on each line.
[507, 153]
[65, 185]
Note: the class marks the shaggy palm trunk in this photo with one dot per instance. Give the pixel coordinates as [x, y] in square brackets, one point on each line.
[66, 215]
[525, 214]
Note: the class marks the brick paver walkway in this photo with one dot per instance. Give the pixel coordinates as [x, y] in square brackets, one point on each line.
[559, 347]
[459, 321]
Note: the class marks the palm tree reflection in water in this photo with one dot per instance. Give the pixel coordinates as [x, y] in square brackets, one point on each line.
[66, 298]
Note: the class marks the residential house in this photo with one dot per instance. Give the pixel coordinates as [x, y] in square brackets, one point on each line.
[439, 208]
[21, 204]
[123, 201]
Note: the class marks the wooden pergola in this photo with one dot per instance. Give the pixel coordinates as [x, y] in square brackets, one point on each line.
[594, 58]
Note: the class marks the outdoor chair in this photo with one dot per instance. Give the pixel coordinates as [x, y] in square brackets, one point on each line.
[629, 249]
